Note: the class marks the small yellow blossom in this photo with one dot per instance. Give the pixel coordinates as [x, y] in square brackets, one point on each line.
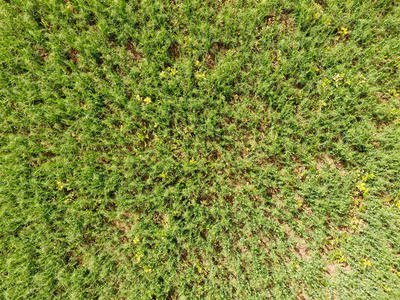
[173, 71]
[200, 75]
[139, 256]
[147, 269]
[344, 31]
[321, 104]
[328, 21]
[366, 263]
[147, 100]
[386, 288]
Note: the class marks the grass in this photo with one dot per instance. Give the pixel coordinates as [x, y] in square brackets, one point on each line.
[200, 149]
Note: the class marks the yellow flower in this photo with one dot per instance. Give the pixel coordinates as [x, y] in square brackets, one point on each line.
[328, 21]
[344, 31]
[321, 104]
[139, 255]
[147, 100]
[147, 269]
[366, 263]
[200, 75]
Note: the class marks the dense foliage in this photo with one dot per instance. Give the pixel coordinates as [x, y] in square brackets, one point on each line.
[199, 149]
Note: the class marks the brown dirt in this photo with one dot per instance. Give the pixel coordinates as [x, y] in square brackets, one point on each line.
[173, 50]
[328, 160]
[132, 49]
[73, 55]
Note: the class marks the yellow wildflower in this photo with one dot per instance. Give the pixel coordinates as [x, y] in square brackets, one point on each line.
[200, 75]
[344, 31]
[328, 21]
[147, 269]
[366, 263]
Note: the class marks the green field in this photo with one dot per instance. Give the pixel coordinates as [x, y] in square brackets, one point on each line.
[225, 149]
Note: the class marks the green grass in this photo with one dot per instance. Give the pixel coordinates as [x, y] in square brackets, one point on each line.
[199, 149]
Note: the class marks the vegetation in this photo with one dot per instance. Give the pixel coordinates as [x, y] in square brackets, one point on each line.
[199, 149]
